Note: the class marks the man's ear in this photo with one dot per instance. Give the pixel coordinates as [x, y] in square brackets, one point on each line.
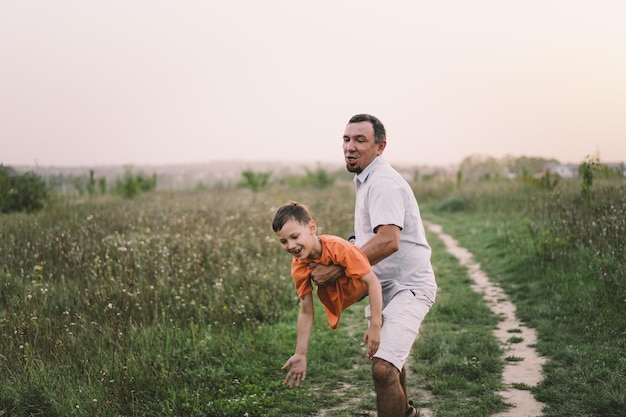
[381, 147]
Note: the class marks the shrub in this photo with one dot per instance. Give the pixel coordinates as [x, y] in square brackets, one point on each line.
[131, 185]
[319, 178]
[26, 192]
[254, 180]
[453, 204]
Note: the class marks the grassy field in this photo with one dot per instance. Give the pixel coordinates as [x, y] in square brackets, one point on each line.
[181, 304]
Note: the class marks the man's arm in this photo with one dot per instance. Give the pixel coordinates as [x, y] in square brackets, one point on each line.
[385, 242]
[325, 274]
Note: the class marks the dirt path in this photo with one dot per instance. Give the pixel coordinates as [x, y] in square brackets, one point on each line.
[526, 368]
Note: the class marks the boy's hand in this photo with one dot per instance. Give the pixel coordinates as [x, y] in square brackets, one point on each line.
[372, 338]
[297, 370]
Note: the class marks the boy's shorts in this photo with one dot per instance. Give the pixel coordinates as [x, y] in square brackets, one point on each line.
[402, 318]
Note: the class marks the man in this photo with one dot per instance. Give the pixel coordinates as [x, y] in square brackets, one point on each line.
[389, 230]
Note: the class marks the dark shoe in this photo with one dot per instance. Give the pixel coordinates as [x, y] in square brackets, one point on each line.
[412, 411]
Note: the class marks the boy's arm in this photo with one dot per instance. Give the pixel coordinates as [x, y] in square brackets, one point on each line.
[372, 335]
[297, 363]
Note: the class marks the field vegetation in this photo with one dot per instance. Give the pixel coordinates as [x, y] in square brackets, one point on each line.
[181, 304]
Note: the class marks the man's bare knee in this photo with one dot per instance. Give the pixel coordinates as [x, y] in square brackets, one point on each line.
[384, 372]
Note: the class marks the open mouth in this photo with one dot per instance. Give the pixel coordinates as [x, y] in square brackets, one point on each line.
[351, 159]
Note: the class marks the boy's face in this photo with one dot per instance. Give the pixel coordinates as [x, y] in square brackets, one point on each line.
[300, 240]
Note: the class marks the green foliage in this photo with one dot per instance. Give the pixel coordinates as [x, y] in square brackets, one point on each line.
[92, 185]
[101, 185]
[453, 204]
[26, 192]
[182, 304]
[525, 166]
[456, 354]
[153, 307]
[130, 185]
[479, 167]
[546, 181]
[586, 171]
[563, 264]
[591, 169]
[255, 181]
[319, 178]
[79, 185]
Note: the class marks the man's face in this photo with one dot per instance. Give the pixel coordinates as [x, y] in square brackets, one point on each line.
[359, 146]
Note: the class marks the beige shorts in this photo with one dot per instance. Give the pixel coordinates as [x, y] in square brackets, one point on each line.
[402, 319]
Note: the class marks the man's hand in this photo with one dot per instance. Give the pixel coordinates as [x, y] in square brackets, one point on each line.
[325, 274]
[297, 370]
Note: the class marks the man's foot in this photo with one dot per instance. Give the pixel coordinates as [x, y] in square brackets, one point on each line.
[412, 411]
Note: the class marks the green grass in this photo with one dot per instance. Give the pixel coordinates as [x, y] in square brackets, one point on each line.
[567, 281]
[181, 304]
[457, 357]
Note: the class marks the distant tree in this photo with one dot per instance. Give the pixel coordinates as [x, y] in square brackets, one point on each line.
[91, 183]
[319, 178]
[27, 192]
[102, 185]
[130, 185]
[587, 171]
[79, 184]
[254, 180]
[526, 166]
[480, 167]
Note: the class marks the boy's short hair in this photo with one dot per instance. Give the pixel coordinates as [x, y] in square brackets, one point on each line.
[291, 210]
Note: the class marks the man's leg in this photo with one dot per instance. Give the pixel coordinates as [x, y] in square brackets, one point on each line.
[401, 320]
[390, 398]
[403, 382]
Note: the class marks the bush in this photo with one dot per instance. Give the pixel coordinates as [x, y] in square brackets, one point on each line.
[255, 181]
[27, 192]
[132, 185]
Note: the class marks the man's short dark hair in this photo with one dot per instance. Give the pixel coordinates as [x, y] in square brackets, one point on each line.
[379, 129]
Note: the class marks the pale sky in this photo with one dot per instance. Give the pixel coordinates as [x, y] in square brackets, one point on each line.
[86, 83]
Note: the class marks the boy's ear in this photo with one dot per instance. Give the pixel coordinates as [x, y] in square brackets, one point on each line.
[312, 226]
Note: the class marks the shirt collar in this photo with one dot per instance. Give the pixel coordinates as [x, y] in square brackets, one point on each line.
[363, 175]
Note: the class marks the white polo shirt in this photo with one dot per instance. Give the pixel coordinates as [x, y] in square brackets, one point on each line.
[384, 197]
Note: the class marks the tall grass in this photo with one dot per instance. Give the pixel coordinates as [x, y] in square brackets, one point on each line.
[182, 303]
[126, 307]
[560, 254]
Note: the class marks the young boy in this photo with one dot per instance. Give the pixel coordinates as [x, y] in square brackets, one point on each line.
[297, 232]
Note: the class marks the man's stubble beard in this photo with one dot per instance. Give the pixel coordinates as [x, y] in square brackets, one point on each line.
[355, 169]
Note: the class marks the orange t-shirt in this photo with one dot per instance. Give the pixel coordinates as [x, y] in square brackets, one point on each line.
[346, 290]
